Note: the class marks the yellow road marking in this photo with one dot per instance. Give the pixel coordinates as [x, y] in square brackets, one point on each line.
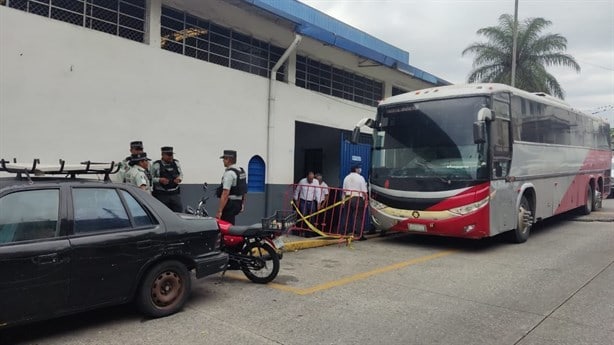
[356, 277]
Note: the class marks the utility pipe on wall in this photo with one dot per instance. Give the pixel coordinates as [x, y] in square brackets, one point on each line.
[280, 62]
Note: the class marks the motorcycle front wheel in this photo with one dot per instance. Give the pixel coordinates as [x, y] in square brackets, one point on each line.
[265, 266]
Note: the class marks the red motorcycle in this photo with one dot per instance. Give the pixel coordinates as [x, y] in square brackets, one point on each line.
[254, 249]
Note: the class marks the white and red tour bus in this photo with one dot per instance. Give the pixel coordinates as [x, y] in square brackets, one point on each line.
[477, 160]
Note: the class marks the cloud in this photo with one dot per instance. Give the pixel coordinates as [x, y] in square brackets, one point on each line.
[436, 32]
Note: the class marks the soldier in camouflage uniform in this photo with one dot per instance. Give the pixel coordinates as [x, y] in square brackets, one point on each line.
[166, 179]
[138, 174]
[124, 166]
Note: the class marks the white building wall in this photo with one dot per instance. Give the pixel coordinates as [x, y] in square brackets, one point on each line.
[77, 94]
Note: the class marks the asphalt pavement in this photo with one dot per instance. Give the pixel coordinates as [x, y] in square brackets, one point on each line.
[555, 289]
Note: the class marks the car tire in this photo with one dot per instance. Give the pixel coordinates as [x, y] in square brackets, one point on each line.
[165, 289]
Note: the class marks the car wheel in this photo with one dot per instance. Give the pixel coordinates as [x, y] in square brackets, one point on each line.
[164, 289]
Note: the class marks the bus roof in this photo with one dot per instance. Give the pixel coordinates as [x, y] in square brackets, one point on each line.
[464, 90]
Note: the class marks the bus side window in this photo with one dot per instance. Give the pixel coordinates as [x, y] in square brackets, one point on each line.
[501, 139]
[502, 151]
[500, 168]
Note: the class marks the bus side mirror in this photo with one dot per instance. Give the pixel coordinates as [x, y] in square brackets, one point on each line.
[485, 114]
[355, 135]
[479, 132]
[356, 132]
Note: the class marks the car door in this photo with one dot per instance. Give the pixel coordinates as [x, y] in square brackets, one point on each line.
[113, 236]
[34, 257]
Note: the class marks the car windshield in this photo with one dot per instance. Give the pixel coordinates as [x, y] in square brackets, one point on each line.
[432, 139]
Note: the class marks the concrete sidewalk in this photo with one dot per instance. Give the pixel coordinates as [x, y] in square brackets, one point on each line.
[293, 243]
[604, 214]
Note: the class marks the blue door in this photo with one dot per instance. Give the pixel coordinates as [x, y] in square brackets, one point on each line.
[352, 154]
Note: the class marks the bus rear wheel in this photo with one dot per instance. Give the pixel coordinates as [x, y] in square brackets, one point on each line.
[590, 201]
[525, 222]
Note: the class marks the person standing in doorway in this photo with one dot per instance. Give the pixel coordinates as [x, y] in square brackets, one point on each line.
[307, 194]
[124, 166]
[138, 174]
[233, 189]
[324, 191]
[355, 187]
[166, 176]
[322, 218]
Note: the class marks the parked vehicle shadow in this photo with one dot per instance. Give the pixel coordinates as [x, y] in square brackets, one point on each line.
[35, 333]
[477, 245]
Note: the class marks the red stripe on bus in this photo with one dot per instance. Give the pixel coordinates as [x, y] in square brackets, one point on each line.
[471, 195]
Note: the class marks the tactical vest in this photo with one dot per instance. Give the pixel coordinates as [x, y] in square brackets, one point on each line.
[240, 189]
[169, 171]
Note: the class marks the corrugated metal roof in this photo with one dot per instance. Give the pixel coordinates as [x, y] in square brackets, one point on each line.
[322, 27]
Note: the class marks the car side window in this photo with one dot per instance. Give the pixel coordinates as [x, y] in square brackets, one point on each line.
[140, 216]
[98, 209]
[29, 215]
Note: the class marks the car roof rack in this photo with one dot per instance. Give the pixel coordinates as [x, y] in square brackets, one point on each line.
[69, 170]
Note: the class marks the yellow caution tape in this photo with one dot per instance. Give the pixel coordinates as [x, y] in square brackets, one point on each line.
[315, 229]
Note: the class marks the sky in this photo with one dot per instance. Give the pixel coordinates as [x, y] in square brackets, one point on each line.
[436, 32]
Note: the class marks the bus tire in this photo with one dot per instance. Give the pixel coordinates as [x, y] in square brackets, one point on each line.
[525, 222]
[590, 201]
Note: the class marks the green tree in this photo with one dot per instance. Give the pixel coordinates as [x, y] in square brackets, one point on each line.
[534, 51]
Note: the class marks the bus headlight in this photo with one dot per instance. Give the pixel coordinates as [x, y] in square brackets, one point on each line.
[463, 210]
[377, 205]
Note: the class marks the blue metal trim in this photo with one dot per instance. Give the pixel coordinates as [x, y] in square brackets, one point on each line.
[324, 28]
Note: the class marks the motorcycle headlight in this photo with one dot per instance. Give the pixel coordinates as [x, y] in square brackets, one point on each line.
[463, 210]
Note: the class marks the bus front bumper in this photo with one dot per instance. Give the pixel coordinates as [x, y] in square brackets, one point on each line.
[441, 223]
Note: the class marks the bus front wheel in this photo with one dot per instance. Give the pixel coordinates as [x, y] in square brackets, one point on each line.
[525, 221]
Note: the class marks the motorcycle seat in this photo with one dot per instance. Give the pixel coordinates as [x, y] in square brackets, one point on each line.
[245, 230]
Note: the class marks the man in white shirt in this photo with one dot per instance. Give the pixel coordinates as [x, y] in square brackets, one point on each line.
[324, 191]
[354, 185]
[307, 194]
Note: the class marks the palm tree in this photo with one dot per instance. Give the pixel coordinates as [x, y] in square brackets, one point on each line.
[493, 61]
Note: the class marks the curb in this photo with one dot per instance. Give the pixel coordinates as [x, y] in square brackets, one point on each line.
[310, 243]
[595, 218]
[316, 242]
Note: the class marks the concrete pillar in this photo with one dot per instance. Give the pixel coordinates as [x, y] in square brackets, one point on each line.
[153, 13]
[387, 89]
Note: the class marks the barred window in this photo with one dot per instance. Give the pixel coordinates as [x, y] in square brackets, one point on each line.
[324, 78]
[189, 35]
[124, 18]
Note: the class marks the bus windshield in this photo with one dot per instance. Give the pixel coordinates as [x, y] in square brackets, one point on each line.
[431, 140]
